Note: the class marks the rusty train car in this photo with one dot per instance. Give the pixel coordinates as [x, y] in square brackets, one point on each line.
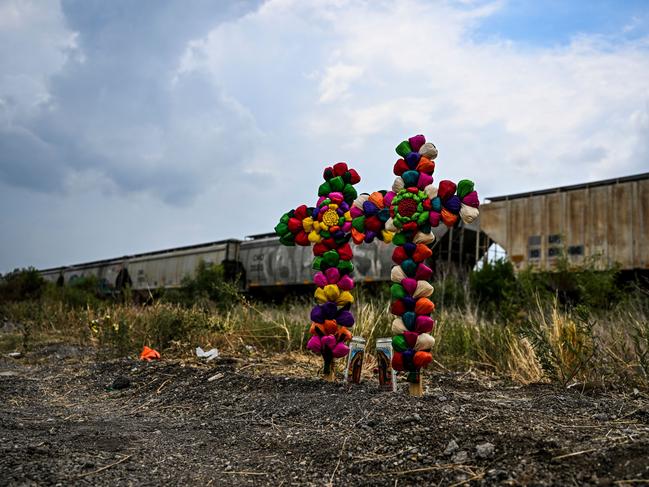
[267, 263]
[150, 270]
[605, 222]
[260, 261]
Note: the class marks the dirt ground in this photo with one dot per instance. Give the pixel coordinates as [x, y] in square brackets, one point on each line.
[271, 421]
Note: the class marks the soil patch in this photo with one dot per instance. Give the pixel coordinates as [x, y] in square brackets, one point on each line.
[272, 421]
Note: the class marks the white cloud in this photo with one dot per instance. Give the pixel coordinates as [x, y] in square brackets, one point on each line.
[510, 117]
[336, 82]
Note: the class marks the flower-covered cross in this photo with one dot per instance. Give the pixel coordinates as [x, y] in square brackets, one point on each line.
[415, 206]
[404, 216]
[328, 227]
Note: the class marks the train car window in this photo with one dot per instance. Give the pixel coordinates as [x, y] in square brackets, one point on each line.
[554, 239]
[534, 247]
[576, 250]
[554, 251]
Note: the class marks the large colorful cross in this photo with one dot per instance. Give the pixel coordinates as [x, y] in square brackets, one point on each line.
[404, 216]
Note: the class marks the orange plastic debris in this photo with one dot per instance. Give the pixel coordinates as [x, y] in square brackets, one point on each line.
[149, 354]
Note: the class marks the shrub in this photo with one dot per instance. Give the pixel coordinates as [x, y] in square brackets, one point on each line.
[450, 292]
[21, 285]
[208, 286]
[494, 288]
[598, 288]
[80, 292]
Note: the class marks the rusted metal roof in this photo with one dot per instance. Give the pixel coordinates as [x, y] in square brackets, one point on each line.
[144, 254]
[573, 187]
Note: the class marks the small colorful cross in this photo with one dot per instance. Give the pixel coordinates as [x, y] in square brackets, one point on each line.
[328, 227]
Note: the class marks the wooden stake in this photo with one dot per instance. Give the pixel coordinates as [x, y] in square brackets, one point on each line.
[330, 375]
[329, 369]
[416, 388]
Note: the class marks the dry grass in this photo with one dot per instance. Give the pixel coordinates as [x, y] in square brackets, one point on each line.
[546, 343]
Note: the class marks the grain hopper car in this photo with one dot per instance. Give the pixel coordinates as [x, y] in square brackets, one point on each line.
[260, 261]
[149, 270]
[606, 222]
[605, 219]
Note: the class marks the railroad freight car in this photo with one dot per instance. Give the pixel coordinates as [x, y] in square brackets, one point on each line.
[604, 218]
[267, 263]
[260, 262]
[150, 270]
[607, 220]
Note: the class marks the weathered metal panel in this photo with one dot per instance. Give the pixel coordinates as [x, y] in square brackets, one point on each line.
[106, 273]
[518, 229]
[642, 234]
[534, 217]
[494, 222]
[268, 263]
[51, 276]
[553, 210]
[575, 222]
[608, 222]
[152, 269]
[598, 223]
[621, 227]
[169, 269]
[272, 264]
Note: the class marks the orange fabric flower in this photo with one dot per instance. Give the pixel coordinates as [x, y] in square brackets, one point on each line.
[425, 165]
[448, 218]
[424, 306]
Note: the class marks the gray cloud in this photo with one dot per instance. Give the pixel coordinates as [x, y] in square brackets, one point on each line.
[118, 107]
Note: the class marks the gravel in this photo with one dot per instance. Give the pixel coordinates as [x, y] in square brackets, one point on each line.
[264, 423]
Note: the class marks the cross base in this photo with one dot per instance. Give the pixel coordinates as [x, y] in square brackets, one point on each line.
[415, 384]
[329, 372]
[416, 389]
[330, 376]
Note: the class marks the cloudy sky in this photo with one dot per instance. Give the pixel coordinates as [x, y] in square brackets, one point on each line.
[128, 126]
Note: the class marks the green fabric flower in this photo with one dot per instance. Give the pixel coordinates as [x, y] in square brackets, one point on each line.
[409, 207]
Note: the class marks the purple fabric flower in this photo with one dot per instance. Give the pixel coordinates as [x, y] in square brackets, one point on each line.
[329, 310]
[453, 204]
[412, 159]
[370, 209]
[369, 236]
[317, 314]
[345, 318]
[409, 302]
